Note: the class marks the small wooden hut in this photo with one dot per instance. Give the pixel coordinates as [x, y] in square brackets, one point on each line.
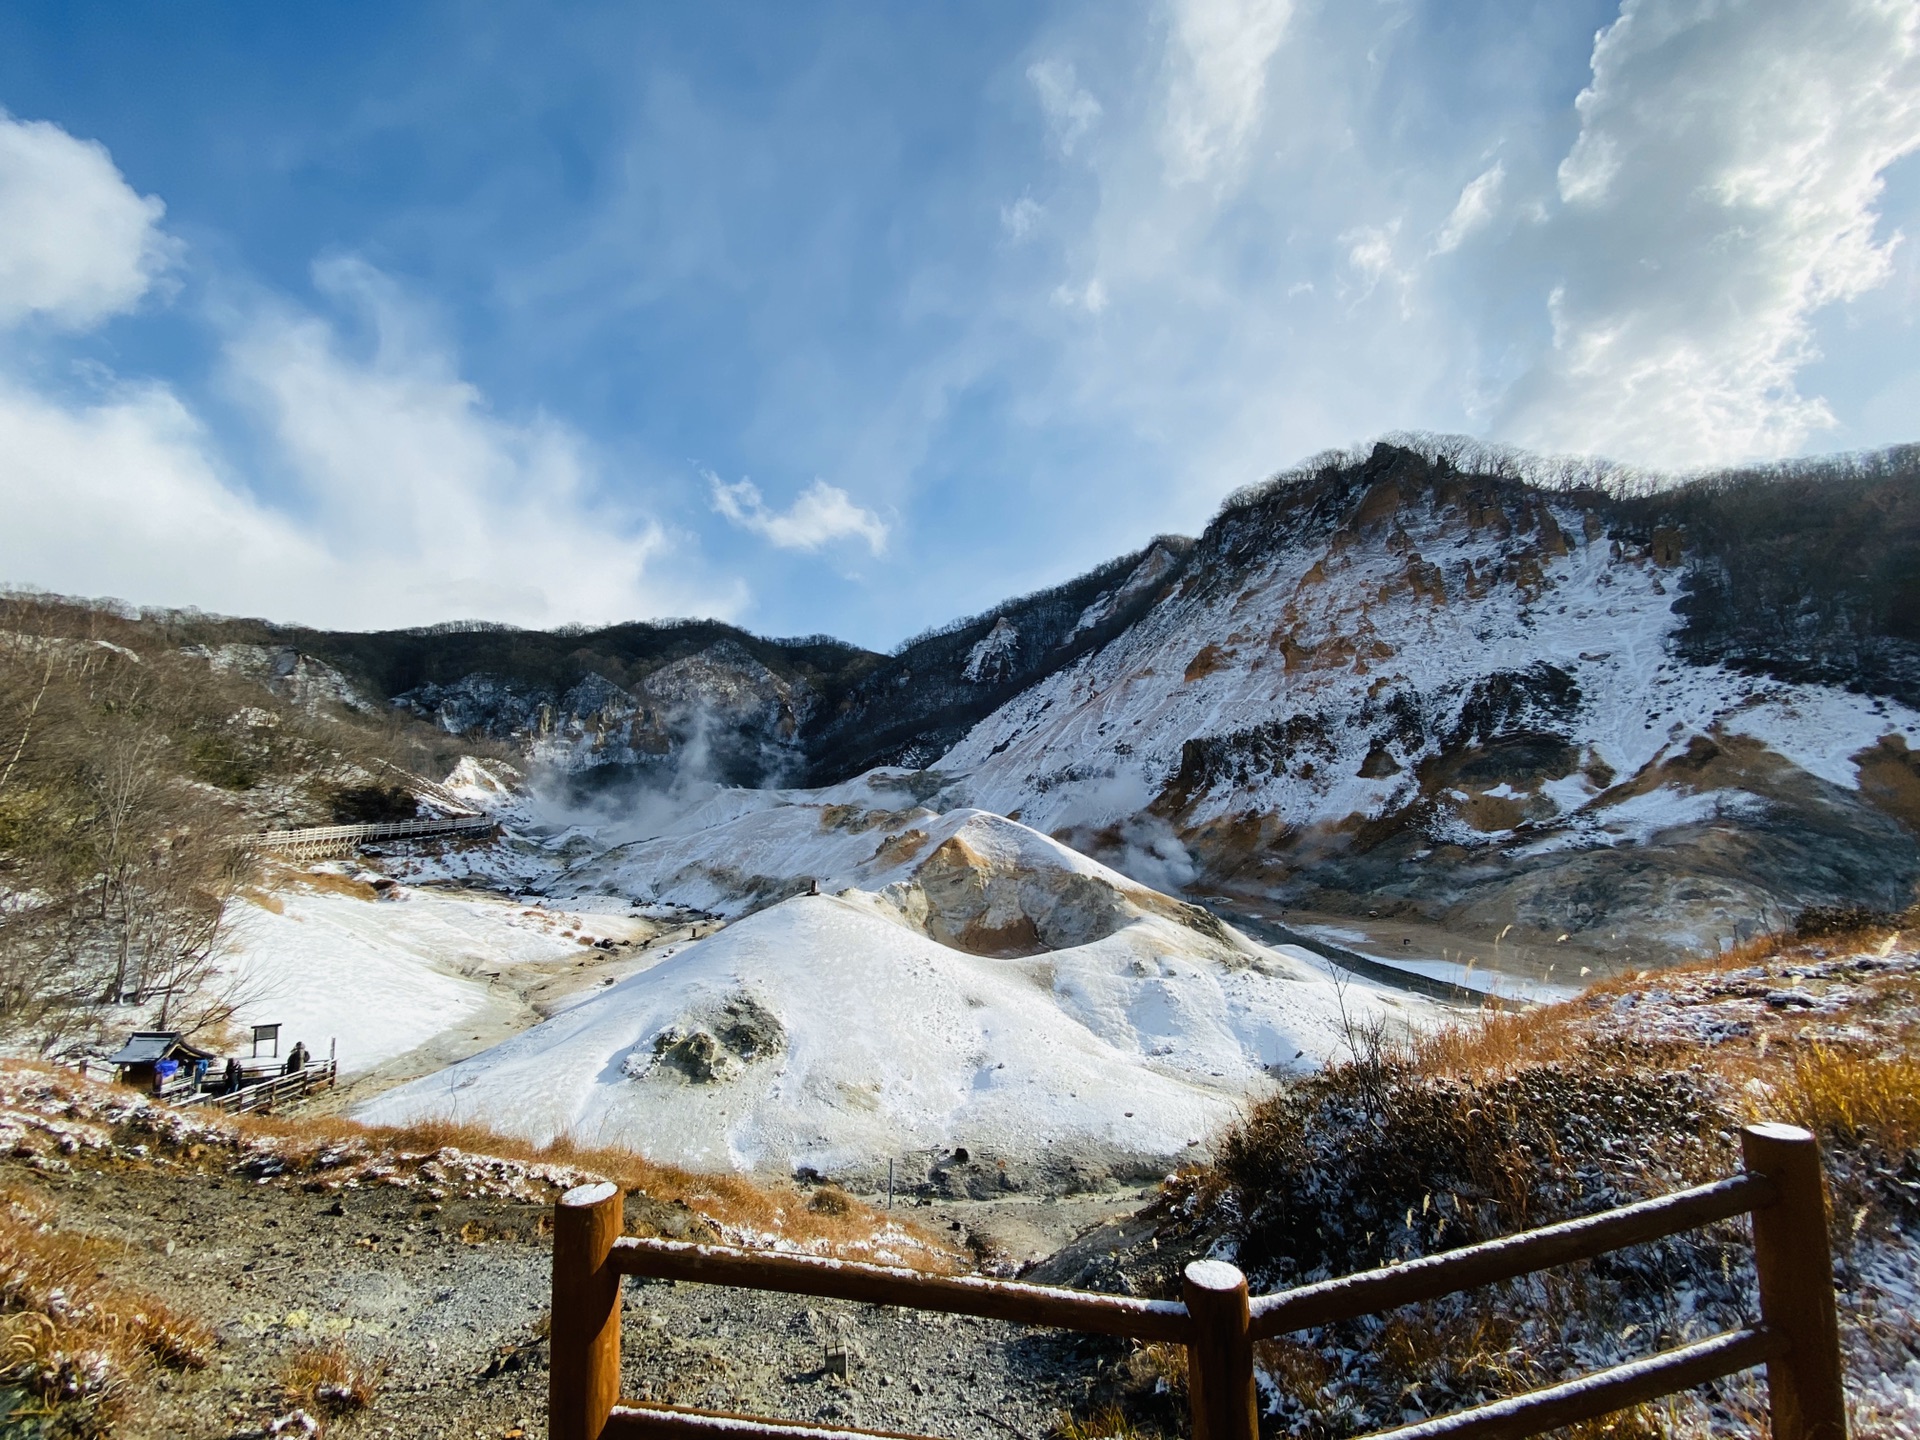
[134, 1061]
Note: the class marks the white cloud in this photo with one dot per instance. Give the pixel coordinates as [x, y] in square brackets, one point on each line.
[1370, 252]
[77, 244]
[821, 513]
[1370, 257]
[1019, 218]
[411, 502]
[1090, 297]
[1478, 200]
[1723, 187]
[1070, 109]
[1220, 57]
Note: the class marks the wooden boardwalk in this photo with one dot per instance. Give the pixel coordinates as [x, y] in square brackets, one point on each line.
[319, 840]
[267, 1095]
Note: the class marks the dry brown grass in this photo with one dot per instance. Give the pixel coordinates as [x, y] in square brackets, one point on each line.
[325, 882]
[1856, 1098]
[331, 1380]
[1158, 1366]
[73, 1340]
[831, 1200]
[1109, 1422]
[1782, 1027]
[845, 1226]
[751, 1207]
[1495, 1042]
[1300, 1370]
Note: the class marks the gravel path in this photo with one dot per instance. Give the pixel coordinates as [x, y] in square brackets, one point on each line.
[453, 1297]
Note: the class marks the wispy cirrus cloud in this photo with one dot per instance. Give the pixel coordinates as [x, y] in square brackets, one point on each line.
[1070, 108]
[1219, 57]
[1473, 210]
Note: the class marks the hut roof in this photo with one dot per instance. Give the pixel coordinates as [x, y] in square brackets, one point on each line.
[145, 1046]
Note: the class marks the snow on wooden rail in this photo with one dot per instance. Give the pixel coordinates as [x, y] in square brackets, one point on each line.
[334, 839]
[1797, 1337]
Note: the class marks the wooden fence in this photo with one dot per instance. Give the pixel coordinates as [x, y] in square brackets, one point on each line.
[1796, 1338]
[265, 1094]
[343, 839]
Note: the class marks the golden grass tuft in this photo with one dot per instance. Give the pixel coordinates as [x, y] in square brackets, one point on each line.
[1854, 1097]
[325, 882]
[331, 1379]
[1158, 1366]
[1300, 1371]
[831, 1200]
[1109, 1422]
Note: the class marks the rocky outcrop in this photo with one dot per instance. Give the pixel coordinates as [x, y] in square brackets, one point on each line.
[1392, 687]
[296, 677]
[720, 710]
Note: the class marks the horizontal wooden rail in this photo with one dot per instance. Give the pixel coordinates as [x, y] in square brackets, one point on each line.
[1797, 1338]
[632, 1421]
[373, 830]
[1603, 1391]
[895, 1285]
[264, 1094]
[1431, 1277]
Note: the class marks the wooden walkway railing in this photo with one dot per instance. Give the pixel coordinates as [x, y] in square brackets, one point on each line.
[338, 839]
[265, 1094]
[1797, 1337]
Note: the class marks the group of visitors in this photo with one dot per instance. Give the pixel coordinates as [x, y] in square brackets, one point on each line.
[232, 1078]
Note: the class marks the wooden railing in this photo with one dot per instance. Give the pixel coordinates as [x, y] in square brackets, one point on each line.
[265, 1094]
[317, 838]
[1797, 1337]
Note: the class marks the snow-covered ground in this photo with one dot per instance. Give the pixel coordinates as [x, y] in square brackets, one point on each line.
[382, 976]
[824, 1032]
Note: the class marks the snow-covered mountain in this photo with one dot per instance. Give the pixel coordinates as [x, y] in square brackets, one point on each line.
[1411, 686]
[1400, 687]
[986, 991]
[1391, 710]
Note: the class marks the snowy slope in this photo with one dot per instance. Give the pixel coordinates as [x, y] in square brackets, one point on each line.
[1464, 698]
[385, 976]
[1380, 643]
[823, 1032]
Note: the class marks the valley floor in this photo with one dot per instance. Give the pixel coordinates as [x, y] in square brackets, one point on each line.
[430, 1265]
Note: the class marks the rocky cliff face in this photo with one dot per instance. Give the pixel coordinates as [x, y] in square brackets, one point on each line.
[1399, 689]
[719, 708]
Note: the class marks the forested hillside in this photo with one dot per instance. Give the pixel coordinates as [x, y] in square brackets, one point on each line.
[131, 761]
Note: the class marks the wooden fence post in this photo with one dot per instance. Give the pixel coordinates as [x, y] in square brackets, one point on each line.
[583, 1376]
[1795, 1265]
[1219, 1353]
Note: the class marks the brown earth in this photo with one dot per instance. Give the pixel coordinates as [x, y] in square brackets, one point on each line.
[446, 1301]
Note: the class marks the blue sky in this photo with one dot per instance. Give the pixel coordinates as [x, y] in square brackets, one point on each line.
[857, 318]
